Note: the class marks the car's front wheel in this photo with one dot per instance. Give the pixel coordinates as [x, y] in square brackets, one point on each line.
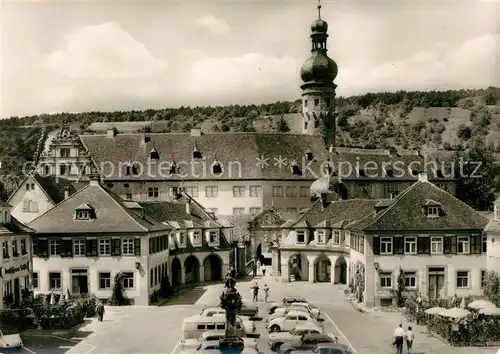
[276, 347]
[275, 328]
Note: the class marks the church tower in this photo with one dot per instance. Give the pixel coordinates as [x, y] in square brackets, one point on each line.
[318, 90]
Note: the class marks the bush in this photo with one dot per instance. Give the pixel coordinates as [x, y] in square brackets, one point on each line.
[117, 299]
[464, 132]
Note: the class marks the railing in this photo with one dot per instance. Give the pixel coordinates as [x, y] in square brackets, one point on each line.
[248, 267]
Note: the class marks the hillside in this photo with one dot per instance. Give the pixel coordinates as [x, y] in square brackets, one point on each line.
[448, 120]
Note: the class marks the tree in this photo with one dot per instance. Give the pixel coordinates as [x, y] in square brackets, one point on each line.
[4, 195]
[283, 125]
[117, 298]
[225, 128]
[464, 132]
[476, 171]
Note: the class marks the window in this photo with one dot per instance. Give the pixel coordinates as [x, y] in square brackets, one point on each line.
[24, 250]
[128, 247]
[291, 191]
[336, 237]
[432, 212]
[213, 236]
[104, 247]
[79, 247]
[462, 279]
[128, 196]
[182, 238]
[255, 210]
[5, 249]
[211, 191]
[255, 191]
[30, 206]
[55, 281]
[436, 245]
[192, 191]
[305, 103]
[391, 190]
[410, 245]
[238, 211]
[277, 191]
[238, 191]
[485, 244]
[82, 215]
[54, 247]
[62, 169]
[128, 280]
[410, 279]
[35, 280]
[304, 191]
[305, 125]
[443, 186]
[386, 245]
[153, 192]
[386, 280]
[301, 236]
[104, 280]
[196, 237]
[483, 278]
[321, 236]
[463, 245]
[27, 186]
[316, 102]
[65, 152]
[15, 251]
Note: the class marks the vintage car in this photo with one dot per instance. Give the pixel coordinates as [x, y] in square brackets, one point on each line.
[307, 342]
[249, 310]
[292, 320]
[287, 301]
[212, 338]
[217, 311]
[276, 340]
[10, 339]
[315, 311]
[332, 348]
[283, 311]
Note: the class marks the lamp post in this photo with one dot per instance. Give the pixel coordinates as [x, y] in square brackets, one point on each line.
[231, 302]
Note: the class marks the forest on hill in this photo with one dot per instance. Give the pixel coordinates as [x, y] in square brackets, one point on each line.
[449, 120]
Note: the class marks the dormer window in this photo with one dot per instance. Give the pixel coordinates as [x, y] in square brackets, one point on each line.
[309, 155]
[213, 237]
[301, 236]
[154, 154]
[84, 212]
[196, 152]
[216, 168]
[415, 172]
[173, 168]
[439, 173]
[182, 238]
[433, 211]
[389, 172]
[362, 173]
[295, 168]
[321, 236]
[196, 237]
[171, 242]
[131, 170]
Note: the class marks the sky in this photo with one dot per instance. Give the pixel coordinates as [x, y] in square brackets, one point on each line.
[74, 56]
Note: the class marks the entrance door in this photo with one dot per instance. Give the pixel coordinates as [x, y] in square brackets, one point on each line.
[343, 273]
[436, 285]
[17, 291]
[79, 281]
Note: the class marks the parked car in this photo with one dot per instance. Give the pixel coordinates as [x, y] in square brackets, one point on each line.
[276, 340]
[10, 339]
[302, 307]
[287, 301]
[249, 310]
[212, 338]
[217, 311]
[332, 348]
[315, 311]
[308, 342]
[292, 320]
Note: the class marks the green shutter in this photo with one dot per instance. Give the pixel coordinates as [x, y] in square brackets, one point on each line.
[137, 246]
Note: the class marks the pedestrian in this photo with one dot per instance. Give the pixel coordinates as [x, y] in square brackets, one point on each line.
[399, 335]
[254, 269]
[258, 265]
[410, 336]
[263, 271]
[255, 291]
[266, 292]
[100, 310]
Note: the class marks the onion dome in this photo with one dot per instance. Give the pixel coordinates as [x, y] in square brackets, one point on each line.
[319, 68]
[319, 26]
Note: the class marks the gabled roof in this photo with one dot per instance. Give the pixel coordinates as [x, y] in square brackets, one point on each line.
[337, 212]
[405, 213]
[14, 227]
[430, 202]
[111, 215]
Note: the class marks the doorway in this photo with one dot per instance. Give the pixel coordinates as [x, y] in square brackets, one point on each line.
[436, 283]
[17, 291]
[79, 281]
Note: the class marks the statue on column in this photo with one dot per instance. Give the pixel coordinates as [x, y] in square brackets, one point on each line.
[274, 240]
[232, 303]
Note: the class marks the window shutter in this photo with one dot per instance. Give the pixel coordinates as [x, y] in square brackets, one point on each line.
[150, 246]
[421, 245]
[477, 242]
[66, 248]
[399, 245]
[137, 246]
[426, 241]
[472, 245]
[453, 241]
[43, 248]
[376, 245]
[446, 245]
[88, 248]
[35, 247]
[93, 246]
[116, 247]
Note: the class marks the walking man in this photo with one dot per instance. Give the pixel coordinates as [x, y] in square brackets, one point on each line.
[100, 311]
[399, 335]
[266, 292]
[255, 291]
[409, 338]
[254, 269]
[263, 271]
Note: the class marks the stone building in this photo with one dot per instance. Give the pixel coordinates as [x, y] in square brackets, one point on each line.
[492, 232]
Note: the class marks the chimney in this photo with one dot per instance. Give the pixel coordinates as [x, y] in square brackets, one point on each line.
[196, 132]
[145, 139]
[66, 192]
[94, 179]
[111, 132]
[188, 206]
[422, 176]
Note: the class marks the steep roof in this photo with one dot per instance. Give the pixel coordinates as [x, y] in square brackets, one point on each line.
[336, 213]
[111, 213]
[14, 227]
[54, 187]
[229, 149]
[406, 213]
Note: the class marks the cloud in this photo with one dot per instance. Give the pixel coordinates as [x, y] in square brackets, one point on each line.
[475, 63]
[104, 51]
[214, 25]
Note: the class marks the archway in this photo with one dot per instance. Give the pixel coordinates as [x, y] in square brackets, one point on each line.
[258, 254]
[176, 271]
[298, 267]
[322, 269]
[192, 269]
[341, 271]
[213, 268]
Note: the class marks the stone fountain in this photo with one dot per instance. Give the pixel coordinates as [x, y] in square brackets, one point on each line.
[232, 303]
